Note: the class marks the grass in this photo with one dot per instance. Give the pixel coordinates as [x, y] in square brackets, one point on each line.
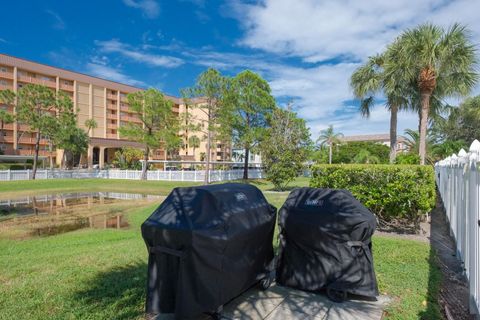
[101, 274]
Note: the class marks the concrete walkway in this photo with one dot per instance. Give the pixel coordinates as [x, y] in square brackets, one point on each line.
[280, 303]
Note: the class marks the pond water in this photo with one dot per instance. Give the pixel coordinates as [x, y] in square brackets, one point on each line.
[51, 214]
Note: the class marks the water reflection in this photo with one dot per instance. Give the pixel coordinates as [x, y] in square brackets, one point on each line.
[58, 213]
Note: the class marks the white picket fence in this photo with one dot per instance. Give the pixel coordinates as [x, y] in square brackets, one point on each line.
[458, 181]
[198, 175]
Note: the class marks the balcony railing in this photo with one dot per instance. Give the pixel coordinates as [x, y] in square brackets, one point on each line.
[112, 96]
[6, 86]
[29, 140]
[48, 83]
[111, 106]
[111, 116]
[65, 86]
[112, 126]
[112, 136]
[6, 75]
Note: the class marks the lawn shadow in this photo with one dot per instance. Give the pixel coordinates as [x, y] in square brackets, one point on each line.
[120, 292]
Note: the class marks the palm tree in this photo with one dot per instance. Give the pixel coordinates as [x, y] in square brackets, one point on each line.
[90, 124]
[412, 140]
[440, 63]
[6, 97]
[194, 142]
[329, 137]
[380, 75]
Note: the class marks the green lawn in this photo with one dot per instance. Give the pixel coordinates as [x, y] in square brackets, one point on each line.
[100, 274]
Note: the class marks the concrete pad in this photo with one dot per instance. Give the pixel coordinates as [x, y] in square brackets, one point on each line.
[282, 303]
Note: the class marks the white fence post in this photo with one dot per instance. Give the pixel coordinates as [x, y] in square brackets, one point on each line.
[458, 180]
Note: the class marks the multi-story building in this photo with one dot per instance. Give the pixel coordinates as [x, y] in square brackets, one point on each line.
[379, 138]
[93, 98]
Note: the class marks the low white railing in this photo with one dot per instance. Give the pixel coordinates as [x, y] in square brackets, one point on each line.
[198, 175]
[458, 181]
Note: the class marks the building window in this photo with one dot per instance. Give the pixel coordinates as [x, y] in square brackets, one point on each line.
[3, 82]
[3, 69]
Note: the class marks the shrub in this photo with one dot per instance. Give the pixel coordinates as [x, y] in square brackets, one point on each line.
[392, 192]
[408, 158]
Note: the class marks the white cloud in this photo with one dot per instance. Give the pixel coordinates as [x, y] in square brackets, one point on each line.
[105, 72]
[58, 22]
[331, 37]
[115, 46]
[150, 8]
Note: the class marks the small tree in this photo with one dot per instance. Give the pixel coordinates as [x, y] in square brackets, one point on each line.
[158, 127]
[208, 96]
[285, 148]
[250, 104]
[128, 158]
[6, 97]
[37, 107]
[329, 137]
[70, 138]
[194, 142]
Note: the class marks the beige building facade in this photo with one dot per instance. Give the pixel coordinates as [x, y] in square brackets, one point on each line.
[93, 98]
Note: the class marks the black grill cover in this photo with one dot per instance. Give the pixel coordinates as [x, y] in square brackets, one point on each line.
[325, 242]
[207, 245]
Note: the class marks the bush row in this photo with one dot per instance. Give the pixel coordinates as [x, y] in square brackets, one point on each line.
[392, 192]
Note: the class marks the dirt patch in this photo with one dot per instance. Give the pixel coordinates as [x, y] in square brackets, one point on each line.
[454, 295]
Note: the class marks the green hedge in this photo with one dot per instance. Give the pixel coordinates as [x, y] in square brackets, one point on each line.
[392, 192]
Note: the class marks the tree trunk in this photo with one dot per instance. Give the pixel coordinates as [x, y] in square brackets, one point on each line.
[245, 164]
[1, 135]
[330, 153]
[35, 157]
[145, 163]
[207, 157]
[425, 105]
[393, 133]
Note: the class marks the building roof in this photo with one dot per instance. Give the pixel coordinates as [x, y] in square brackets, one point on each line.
[371, 137]
[70, 75]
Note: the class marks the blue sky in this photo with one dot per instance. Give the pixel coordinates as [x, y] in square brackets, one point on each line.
[306, 49]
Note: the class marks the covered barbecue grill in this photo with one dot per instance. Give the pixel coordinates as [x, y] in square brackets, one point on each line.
[207, 245]
[325, 243]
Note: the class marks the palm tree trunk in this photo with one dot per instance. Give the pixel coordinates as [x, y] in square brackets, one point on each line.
[425, 105]
[145, 163]
[393, 133]
[35, 157]
[330, 153]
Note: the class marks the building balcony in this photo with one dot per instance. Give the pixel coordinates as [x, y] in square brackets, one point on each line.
[125, 108]
[7, 139]
[111, 96]
[111, 106]
[131, 119]
[6, 75]
[30, 140]
[67, 87]
[112, 136]
[6, 87]
[8, 126]
[28, 79]
[31, 152]
[112, 126]
[111, 116]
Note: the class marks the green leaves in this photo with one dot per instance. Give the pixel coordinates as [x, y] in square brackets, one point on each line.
[393, 192]
[285, 147]
[155, 112]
